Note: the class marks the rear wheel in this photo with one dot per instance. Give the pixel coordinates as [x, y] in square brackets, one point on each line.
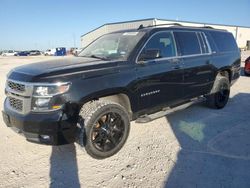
[220, 93]
[106, 128]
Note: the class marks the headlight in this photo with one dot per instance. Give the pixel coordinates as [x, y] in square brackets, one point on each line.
[48, 97]
[51, 90]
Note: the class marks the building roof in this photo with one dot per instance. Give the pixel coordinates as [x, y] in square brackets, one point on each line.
[174, 21]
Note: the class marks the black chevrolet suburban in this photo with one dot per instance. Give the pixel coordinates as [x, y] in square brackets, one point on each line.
[127, 75]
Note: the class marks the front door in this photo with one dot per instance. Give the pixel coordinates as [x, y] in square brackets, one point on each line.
[159, 80]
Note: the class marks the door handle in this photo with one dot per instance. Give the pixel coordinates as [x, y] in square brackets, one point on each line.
[175, 60]
[208, 62]
[177, 67]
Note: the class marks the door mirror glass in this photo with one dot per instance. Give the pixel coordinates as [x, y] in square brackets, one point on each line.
[149, 54]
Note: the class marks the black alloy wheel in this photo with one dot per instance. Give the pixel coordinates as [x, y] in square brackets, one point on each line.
[105, 128]
[223, 93]
[107, 132]
[220, 93]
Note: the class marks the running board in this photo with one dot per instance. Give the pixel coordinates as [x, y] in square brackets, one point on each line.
[165, 111]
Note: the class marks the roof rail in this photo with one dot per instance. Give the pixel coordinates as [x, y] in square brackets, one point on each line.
[177, 24]
[170, 24]
[208, 27]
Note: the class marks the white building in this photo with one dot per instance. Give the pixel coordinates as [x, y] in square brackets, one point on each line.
[241, 34]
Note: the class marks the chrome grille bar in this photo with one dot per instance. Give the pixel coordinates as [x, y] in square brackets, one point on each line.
[19, 96]
[16, 86]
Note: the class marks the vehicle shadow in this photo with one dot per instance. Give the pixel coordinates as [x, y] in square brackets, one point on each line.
[63, 167]
[215, 146]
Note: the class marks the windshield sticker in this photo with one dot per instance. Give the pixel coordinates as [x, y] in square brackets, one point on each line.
[131, 33]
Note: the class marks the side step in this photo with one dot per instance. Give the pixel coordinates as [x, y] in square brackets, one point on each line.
[147, 118]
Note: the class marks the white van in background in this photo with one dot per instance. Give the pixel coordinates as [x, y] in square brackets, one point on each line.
[50, 52]
[9, 53]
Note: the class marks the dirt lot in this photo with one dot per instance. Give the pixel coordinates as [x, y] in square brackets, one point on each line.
[195, 147]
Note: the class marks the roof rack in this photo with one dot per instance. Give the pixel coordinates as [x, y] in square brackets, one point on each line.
[208, 27]
[171, 24]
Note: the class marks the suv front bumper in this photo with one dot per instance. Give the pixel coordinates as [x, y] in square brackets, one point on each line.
[51, 128]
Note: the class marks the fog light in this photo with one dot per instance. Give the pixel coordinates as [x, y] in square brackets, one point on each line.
[42, 102]
[45, 137]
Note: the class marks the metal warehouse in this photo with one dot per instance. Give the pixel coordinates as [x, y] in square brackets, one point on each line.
[241, 34]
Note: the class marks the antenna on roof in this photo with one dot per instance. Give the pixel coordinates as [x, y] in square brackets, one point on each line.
[208, 27]
[177, 24]
[140, 27]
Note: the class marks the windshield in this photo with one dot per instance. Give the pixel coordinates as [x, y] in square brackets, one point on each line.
[113, 46]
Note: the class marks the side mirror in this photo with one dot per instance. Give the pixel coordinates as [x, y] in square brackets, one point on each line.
[149, 54]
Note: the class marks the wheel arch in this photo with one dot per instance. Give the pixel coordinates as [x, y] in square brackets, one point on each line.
[121, 97]
[226, 72]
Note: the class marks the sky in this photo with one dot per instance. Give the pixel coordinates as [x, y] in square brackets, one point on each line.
[43, 24]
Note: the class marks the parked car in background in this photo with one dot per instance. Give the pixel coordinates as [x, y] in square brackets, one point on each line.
[22, 53]
[8, 53]
[35, 52]
[77, 51]
[59, 51]
[71, 51]
[50, 52]
[247, 66]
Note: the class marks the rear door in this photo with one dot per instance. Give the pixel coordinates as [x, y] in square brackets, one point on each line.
[159, 80]
[194, 52]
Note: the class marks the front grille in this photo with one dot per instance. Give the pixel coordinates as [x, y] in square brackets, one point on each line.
[16, 104]
[16, 86]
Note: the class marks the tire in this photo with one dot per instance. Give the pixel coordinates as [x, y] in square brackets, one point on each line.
[220, 93]
[106, 128]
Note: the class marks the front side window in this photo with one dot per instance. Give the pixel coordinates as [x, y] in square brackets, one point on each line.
[113, 46]
[162, 42]
[188, 43]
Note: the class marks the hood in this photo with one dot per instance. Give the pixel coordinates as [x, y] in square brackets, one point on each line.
[58, 67]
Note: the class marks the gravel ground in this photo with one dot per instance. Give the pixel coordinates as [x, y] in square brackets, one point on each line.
[195, 147]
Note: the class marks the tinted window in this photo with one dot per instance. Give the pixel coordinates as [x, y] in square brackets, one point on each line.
[163, 42]
[203, 43]
[211, 42]
[224, 41]
[188, 43]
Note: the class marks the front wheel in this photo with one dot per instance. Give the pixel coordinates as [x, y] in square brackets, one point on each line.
[106, 128]
[220, 93]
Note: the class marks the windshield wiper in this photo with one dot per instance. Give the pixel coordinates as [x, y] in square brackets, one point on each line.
[97, 57]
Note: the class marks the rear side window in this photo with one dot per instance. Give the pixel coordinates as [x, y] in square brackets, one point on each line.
[188, 43]
[203, 43]
[224, 41]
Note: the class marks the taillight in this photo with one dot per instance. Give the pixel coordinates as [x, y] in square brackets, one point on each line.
[247, 60]
[247, 65]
